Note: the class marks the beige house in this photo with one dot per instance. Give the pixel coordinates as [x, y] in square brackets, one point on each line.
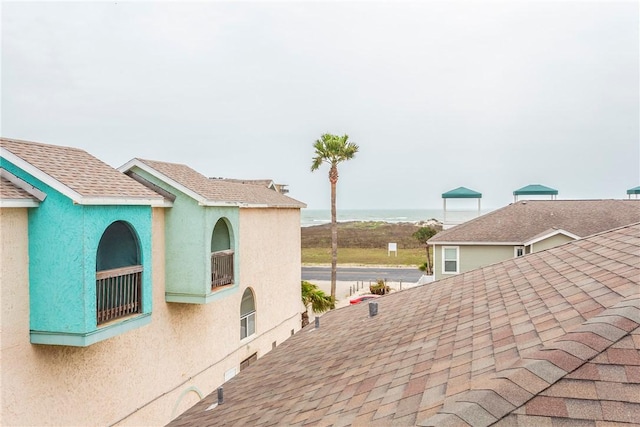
[524, 227]
[175, 347]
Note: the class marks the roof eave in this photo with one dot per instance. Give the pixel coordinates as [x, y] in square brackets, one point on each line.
[167, 180]
[39, 175]
[127, 201]
[19, 203]
[458, 243]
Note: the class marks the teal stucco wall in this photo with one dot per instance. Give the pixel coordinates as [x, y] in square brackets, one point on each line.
[63, 243]
[188, 242]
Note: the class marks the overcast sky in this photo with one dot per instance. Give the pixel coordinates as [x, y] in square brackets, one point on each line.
[487, 95]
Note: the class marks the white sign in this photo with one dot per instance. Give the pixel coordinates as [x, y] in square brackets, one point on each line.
[393, 247]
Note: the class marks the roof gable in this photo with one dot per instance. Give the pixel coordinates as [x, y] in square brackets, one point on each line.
[212, 192]
[522, 221]
[470, 349]
[76, 174]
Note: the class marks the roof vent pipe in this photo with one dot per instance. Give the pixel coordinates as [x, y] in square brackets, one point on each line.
[220, 396]
[373, 308]
[317, 322]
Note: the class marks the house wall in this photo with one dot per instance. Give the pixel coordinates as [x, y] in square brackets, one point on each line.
[270, 257]
[553, 241]
[472, 257]
[149, 375]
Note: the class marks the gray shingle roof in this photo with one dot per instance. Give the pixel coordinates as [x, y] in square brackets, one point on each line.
[78, 171]
[221, 190]
[521, 221]
[528, 340]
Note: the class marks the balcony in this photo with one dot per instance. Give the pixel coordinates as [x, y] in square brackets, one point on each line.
[221, 268]
[118, 293]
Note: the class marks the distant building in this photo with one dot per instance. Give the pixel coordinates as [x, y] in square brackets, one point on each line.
[524, 227]
[280, 188]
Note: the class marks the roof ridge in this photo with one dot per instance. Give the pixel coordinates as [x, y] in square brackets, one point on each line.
[490, 400]
[23, 141]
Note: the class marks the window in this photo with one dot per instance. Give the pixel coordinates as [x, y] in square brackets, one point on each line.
[247, 315]
[518, 251]
[450, 260]
[118, 274]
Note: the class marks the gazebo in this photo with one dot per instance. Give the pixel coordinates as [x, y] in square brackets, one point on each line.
[535, 190]
[458, 193]
[634, 191]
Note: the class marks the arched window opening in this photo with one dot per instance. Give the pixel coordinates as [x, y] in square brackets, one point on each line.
[221, 255]
[118, 273]
[247, 315]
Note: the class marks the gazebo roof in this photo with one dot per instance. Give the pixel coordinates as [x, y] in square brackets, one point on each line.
[461, 193]
[535, 189]
[634, 190]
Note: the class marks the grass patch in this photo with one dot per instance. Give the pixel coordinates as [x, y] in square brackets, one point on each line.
[412, 257]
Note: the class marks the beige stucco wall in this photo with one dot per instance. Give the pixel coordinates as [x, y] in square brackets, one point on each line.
[551, 242]
[149, 375]
[270, 257]
[472, 257]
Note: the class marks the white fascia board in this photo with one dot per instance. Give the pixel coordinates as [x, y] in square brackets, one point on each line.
[40, 175]
[76, 197]
[551, 234]
[21, 183]
[19, 203]
[162, 177]
[213, 203]
[126, 201]
[475, 243]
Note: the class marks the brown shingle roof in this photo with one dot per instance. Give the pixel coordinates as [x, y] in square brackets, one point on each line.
[78, 171]
[491, 344]
[221, 190]
[521, 221]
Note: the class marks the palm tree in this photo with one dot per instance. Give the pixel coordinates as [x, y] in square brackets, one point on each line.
[320, 302]
[422, 235]
[333, 149]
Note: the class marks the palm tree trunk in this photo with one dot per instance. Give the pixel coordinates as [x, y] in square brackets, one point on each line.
[334, 240]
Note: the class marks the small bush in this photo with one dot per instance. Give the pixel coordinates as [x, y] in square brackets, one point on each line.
[380, 288]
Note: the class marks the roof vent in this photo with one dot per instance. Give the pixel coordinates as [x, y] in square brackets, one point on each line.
[373, 308]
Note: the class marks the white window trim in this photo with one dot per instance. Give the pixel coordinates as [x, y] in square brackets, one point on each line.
[246, 317]
[515, 251]
[457, 248]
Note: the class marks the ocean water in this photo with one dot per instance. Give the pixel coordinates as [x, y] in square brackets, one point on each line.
[311, 217]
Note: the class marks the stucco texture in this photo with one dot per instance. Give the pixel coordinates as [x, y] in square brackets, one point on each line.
[148, 375]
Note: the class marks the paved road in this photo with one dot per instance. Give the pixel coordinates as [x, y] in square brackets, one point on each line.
[366, 274]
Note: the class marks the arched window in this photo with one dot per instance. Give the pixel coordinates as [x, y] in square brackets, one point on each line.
[247, 315]
[118, 273]
[221, 255]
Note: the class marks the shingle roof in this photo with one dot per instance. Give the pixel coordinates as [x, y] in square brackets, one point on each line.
[10, 191]
[504, 343]
[522, 221]
[76, 170]
[219, 190]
